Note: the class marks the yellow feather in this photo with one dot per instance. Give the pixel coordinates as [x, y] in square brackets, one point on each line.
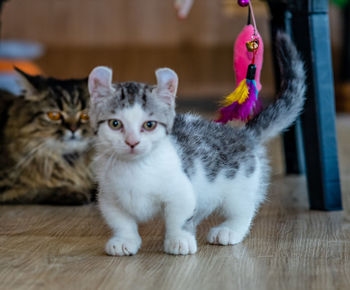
[240, 94]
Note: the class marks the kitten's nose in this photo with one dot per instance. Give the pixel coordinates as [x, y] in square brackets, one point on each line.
[132, 144]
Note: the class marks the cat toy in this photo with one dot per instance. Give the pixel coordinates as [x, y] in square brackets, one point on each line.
[243, 102]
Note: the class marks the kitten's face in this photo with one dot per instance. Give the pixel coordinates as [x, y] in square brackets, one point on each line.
[131, 133]
[56, 113]
[131, 118]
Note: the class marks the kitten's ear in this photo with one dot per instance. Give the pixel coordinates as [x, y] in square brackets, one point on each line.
[32, 85]
[167, 82]
[100, 83]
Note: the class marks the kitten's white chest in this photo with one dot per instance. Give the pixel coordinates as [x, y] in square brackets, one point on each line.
[140, 187]
[134, 190]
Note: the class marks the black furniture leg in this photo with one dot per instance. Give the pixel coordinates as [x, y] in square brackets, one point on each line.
[292, 139]
[311, 34]
[345, 69]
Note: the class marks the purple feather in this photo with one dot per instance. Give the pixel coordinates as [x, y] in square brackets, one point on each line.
[242, 111]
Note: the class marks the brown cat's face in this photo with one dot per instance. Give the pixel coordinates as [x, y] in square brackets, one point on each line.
[65, 118]
[54, 114]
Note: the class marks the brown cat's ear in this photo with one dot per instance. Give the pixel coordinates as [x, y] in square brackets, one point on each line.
[32, 86]
[167, 82]
[100, 83]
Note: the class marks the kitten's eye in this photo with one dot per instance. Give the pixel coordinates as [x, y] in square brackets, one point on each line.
[150, 125]
[54, 116]
[115, 124]
[84, 117]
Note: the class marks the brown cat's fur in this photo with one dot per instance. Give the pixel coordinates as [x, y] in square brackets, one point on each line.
[44, 160]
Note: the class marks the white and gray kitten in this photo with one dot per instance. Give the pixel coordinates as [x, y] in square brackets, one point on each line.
[150, 160]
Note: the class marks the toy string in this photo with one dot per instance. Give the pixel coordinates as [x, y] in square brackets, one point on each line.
[254, 53]
[255, 35]
[253, 17]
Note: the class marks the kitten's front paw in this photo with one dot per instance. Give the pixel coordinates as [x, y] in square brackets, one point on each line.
[224, 236]
[122, 247]
[182, 244]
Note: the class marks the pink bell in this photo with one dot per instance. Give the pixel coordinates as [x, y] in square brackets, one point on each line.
[243, 3]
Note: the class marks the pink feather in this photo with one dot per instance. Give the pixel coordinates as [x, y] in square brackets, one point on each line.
[242, 58]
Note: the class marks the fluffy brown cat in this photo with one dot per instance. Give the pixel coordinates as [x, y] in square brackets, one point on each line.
[45, 143]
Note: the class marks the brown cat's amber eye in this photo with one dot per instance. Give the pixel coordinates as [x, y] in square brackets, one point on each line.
[84, 117]
[54, 116]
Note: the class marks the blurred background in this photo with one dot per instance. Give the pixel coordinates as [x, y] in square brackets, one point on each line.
[135, 37]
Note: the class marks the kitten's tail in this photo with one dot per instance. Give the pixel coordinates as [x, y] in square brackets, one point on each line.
[279, 115]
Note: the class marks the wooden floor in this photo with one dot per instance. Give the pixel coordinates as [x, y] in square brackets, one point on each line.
[289, 247]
